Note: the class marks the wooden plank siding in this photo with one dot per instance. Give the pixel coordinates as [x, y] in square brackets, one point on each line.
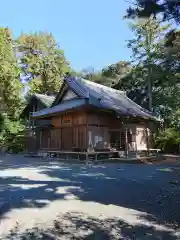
[107, 131]
[99, 126]
[83, 130]
[68, 133]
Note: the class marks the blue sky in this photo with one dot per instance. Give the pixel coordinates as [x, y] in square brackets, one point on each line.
[91, 33]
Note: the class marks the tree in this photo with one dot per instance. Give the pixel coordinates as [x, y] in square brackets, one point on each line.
[133, 84]
[147, 8]
[146, 48]
[10, 85]
[168, 140]
[95, 76]
[172, 50]
[108, 76]
[116, 72]
[42, 61]
[11, 131]
[11, 101]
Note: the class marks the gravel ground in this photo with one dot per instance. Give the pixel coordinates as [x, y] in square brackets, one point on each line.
[77, 201]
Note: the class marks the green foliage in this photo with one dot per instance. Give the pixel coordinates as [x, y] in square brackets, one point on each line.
[175, 120]
[168, 140]
[108, 76]
[154, 72]
[97, 77]
[116, 72]
[10, 134]
[1, 122]
[42, 62]
[10, 85]
[146, 50]
[169, 9]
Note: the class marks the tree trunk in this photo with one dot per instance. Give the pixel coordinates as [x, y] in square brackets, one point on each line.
[149, 88]
[149, 68]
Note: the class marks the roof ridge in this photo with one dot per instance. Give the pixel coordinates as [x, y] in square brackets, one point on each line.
[45, 99]
[78, 87]
[103, 86]
[107, 97]
[116, 94]
[44, 95]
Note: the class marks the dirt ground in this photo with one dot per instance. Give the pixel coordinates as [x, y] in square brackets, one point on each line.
[78, 201]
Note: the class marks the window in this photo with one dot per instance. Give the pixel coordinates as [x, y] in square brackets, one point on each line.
[66, 121]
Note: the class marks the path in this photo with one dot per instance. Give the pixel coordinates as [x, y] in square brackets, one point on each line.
[112, 200]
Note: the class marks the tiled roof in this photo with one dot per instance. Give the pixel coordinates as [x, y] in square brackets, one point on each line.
[108, 98]
[60, 107]
[99, 96]
[45, 99]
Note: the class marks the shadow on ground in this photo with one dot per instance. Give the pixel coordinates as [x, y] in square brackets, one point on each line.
[79, 226]
[145, 188]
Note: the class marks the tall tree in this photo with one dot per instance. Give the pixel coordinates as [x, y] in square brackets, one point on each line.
[116, 72]
[108, 76]
[96, 76]
[146, 46]
[171, 63]
[10, 85]
[169, 9]
[42, 61]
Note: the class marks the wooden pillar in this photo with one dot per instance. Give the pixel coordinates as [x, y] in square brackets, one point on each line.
[40, 139]
[120, 139]
[86, 132]
[127, 147]
[136, 140]
[48, 138]
[33, 119]
[147, 138]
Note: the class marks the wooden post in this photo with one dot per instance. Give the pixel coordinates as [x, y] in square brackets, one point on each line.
[96, 157]
[147, 138]
[40, 139]
[48, 138]
[120, 143]
[127, 147]
[86, 158]
[136, 141]
[33, 119]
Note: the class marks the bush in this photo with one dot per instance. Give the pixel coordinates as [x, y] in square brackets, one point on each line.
[168, 140]
[10, 134]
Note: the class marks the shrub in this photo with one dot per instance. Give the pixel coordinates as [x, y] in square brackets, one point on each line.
[168, 140]
[10, 134]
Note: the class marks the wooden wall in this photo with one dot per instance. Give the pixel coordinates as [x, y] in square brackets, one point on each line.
[81, 130]
[68, 132]
[99, 126]
[107, 130]
[98, 137]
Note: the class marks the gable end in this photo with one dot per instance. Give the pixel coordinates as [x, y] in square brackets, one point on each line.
[69, 95]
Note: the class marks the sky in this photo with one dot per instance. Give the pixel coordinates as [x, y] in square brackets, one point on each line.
[92, 33]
